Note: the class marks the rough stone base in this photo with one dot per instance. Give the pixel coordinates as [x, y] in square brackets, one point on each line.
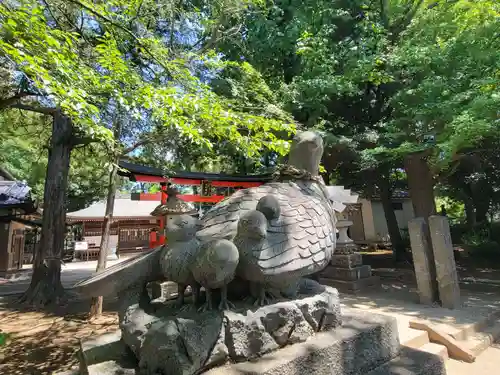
[366, 344]
[348, 274]
[181, 342]
[353, 287]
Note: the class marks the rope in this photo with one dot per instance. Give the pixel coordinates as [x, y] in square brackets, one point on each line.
[286, 170]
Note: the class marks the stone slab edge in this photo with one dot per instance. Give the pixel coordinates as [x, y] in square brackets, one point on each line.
[363, 342]
[106, 350]
[412, 362]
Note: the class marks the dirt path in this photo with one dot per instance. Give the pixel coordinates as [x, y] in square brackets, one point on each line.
[45, 342]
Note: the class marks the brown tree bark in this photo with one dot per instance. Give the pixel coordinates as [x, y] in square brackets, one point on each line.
[398, 247]
[421, 184]
[470, 212]
[45, 286]
[97, 302]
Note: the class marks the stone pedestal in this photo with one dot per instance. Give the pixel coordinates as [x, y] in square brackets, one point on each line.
[365, 344]
[347, 273]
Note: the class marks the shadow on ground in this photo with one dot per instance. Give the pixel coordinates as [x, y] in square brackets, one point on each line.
[401, 299]
[42, 342]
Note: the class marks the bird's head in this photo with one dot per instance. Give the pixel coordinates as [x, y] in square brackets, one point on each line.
[253, 225]
[306, 152]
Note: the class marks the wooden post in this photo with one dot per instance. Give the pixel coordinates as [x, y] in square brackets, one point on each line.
[162, 219]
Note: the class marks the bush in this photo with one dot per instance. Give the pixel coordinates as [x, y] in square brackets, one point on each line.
[481, 243]
[3, 338]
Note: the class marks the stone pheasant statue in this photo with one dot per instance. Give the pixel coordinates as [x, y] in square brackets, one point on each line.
[281, 230]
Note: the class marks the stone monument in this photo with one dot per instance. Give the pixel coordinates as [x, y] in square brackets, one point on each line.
[346, 271]
[259, 314]
[423, 261]
[444, 258]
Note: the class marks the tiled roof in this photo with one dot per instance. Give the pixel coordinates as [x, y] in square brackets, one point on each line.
[14, 192]
[124, 208]
[129, 169]
[16, 195]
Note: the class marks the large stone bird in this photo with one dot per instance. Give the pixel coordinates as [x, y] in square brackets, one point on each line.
[283, 230]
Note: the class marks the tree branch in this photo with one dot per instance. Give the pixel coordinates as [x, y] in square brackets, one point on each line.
[403, 23]
[8, 102]
[26, 107]
[117, 25]
[136, 145]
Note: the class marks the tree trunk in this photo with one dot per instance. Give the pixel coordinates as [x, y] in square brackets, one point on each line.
[421, 185]
[470, 212]
[481, 190]
[96, 302]
[398, 247]
[45, 286]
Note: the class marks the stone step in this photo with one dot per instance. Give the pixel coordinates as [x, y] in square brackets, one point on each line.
[481, 341]
[412, 362]
[465, 331]
[106, 354]
[456, 349]
[436, 349]
[413, 338]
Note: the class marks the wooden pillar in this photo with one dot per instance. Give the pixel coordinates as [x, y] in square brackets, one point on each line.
[162, 218]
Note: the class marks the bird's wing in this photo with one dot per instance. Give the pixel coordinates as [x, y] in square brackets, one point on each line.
[302, 239]
[221, 221]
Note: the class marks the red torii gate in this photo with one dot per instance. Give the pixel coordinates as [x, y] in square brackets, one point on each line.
[139, 173]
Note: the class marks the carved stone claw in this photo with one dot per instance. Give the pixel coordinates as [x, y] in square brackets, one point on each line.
[207, 306]
[187, 308]
[226, 305]
[266, 297]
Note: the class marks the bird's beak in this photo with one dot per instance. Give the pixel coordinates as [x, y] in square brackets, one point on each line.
[262, 233]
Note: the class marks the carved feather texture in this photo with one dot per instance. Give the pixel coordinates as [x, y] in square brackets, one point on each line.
[300, 242]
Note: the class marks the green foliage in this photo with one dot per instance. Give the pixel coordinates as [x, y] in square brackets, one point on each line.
[104, 59]
[3, 338]
[23, 151]
[451, 71]
[480, 244]
[384, 79]
[454, 209]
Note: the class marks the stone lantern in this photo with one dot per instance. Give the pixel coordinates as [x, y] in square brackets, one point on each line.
[346, 271]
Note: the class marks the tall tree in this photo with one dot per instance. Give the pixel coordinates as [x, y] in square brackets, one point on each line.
[75, 57]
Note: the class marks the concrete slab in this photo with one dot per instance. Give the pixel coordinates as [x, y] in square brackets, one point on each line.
[487, 363]
[412, 338]
[400, 300]
[436, 349]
